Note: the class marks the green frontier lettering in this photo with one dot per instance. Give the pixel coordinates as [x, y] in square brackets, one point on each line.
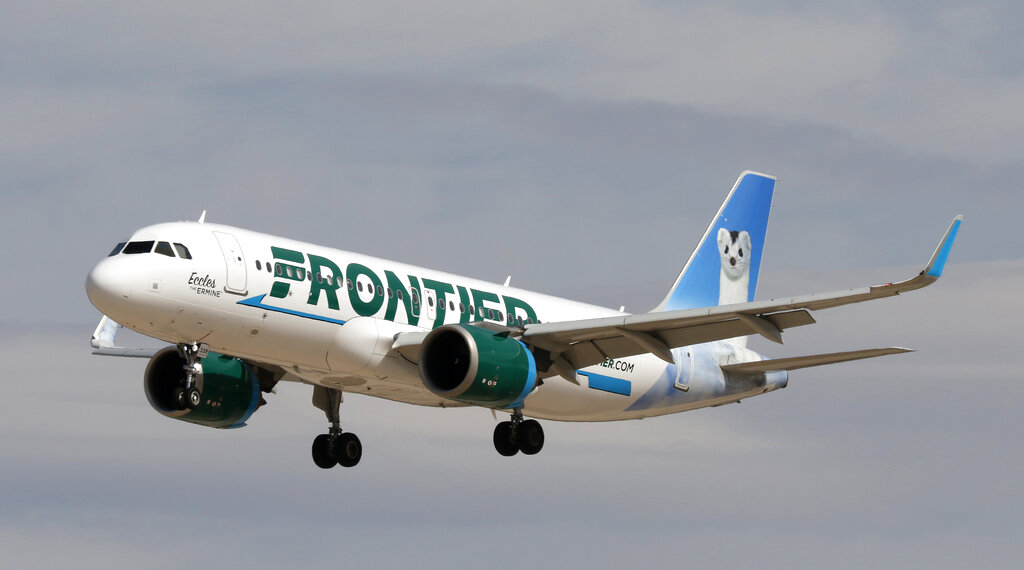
[464, 299]
[327, 278]
[361, 307]
[410, 301]
[281, 270]
[442, 289]
[324, 281]
[482, 312]
[517, 308]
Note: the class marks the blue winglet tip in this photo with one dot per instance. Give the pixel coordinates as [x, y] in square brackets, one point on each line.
[938, 262]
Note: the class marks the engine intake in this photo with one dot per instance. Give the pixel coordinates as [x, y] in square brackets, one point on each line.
[477, 366]
[230, 389]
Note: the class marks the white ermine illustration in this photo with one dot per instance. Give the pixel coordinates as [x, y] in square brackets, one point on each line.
[734, 282]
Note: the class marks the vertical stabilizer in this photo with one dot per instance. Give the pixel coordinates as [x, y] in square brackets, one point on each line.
[724, 267]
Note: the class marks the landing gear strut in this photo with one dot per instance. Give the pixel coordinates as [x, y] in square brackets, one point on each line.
[518, 435]
[334, 447]
[189, 396]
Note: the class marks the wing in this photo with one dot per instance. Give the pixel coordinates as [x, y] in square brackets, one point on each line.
[564, 347]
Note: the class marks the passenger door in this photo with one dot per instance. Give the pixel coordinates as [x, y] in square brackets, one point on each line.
[235, 261]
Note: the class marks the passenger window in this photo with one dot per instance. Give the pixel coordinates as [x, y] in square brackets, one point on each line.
[164, 248]
[349, 283]
[258, 266]
[389, 292]
[182, 251]
[268, 267]
[398, 294]
[360, 285]
[138, 247]
[462, 308]
[451, 306]
[380, 291]
[117, 249]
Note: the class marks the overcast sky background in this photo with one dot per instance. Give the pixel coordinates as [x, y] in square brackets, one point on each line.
[581, 147]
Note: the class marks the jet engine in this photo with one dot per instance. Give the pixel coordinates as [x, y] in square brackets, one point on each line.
[477, 366]
[229, 387]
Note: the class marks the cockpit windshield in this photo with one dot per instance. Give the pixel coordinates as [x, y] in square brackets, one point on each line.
[134, 247]
[162, 247]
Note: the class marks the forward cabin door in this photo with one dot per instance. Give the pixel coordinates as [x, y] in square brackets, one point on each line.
[235, 262]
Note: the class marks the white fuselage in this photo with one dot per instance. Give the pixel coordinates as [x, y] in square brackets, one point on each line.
[330, 317]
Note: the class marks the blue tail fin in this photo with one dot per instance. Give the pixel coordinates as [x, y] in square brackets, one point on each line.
[724, 267]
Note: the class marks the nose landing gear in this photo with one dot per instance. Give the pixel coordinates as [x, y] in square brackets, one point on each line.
[517, 435]
[189, 396]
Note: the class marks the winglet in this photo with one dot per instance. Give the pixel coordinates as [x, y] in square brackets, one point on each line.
[938, 260]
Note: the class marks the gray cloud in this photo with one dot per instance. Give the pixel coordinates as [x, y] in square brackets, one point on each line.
[569, 148]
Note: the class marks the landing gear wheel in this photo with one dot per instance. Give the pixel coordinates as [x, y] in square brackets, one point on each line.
[193, 398]
[322, 452]
[347, 450]
[505, 439]
[178, 397]
[530, 437]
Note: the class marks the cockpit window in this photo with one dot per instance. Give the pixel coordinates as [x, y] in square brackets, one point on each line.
[117, 249]
[182, 251]
[164, 248]
[138, 247]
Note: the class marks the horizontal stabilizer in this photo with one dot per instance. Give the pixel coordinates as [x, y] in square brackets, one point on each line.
[797, 362]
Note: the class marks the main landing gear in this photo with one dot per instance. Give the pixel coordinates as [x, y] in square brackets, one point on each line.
[518, 435]
[334, 447]
[188, 396]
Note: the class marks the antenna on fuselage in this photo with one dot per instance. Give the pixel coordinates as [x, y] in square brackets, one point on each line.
[202, 217]
[508, 280]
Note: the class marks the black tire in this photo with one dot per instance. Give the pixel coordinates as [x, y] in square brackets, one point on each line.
[193, 398]
[505, 439]
[178, 397]
[347, 450]
[530, 437]
[322, 452]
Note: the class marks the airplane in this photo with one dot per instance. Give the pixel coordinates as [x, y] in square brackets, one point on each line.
[244, 310]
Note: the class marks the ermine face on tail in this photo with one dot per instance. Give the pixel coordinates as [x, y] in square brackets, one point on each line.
[734, 282]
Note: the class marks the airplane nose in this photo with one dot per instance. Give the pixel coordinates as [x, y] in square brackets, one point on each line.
[105, 287]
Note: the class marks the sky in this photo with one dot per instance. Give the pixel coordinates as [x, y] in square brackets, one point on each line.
[581, 147]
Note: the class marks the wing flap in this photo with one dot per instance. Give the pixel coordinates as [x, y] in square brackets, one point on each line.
[798, 362]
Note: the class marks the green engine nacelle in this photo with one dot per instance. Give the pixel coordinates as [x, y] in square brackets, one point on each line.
[477, 366]
[230, 389]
